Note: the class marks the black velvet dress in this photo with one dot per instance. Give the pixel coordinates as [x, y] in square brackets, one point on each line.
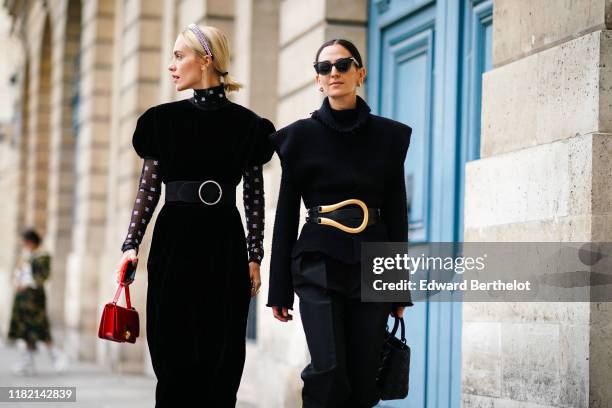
[198, 275]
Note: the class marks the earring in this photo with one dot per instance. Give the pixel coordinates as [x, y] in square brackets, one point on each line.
[321, 89]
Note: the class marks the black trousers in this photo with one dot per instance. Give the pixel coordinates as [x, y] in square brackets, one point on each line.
[344, 335]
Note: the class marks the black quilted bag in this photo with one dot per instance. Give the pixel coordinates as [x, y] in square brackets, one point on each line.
[394, 370]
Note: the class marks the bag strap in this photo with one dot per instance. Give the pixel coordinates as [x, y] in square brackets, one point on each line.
[399, 321]
[395, 326]
[128, 303]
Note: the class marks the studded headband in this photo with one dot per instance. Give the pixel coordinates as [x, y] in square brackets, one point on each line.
[201, 38]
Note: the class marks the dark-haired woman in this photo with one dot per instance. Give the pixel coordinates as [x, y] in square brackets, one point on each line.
[200, 279]
[342, 152]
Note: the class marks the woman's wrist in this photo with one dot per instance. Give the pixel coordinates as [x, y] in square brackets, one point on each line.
[130, 248]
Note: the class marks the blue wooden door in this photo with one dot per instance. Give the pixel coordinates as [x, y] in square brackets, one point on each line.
[425, 64]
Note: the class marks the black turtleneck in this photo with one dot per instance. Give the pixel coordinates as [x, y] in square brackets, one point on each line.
[210, 98]
[345, 118]
[321, 167]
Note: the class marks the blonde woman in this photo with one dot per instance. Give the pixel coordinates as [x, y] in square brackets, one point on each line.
[202, 271]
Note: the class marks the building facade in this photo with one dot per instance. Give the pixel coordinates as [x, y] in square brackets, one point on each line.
[510, 107]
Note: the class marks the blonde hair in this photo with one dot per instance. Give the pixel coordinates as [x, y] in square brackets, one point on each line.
[218, 44]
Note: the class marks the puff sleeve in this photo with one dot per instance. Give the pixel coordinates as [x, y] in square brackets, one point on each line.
[144, 139]
[261, 149]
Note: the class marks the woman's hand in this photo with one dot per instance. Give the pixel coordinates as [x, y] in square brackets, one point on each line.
[398, 311]
[131, 255]
[281, 313]
[255, 278]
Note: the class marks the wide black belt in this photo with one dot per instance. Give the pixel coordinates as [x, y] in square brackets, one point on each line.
[207, 192]
[346, 219]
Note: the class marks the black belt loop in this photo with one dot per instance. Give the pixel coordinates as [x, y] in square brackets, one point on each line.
[209, 193]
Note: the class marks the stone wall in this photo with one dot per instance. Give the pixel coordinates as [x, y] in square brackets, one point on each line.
[544, 175]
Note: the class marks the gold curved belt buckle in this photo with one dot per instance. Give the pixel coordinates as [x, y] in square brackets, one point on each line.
[333, 223]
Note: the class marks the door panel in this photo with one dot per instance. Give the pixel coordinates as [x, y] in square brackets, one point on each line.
[407, 82]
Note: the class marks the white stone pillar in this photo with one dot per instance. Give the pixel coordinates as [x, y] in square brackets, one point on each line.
[66, 16]
[83, 264]
[39, 128]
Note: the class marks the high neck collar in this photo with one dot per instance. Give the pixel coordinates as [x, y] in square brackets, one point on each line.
[325, 115]
[210, 98]
[344, 117]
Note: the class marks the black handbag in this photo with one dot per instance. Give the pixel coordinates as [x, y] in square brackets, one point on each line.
[394, 371]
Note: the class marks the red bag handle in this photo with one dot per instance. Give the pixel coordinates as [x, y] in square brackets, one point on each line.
[127, 296]
[123, 284]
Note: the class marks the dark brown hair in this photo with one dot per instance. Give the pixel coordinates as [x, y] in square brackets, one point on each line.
[32, 236]
[346, 44]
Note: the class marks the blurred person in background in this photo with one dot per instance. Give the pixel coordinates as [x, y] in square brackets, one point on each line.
[29, 320]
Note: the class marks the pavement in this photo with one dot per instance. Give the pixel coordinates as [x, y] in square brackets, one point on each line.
[95, 387]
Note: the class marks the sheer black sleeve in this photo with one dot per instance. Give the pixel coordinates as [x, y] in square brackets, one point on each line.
[254, 208]
[147, 198]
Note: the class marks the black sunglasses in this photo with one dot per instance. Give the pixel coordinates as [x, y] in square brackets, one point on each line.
[341, 64]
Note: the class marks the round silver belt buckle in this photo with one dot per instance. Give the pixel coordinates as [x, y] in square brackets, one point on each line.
[200, 192]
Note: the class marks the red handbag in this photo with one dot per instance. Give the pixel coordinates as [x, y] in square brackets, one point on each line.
[119, 323]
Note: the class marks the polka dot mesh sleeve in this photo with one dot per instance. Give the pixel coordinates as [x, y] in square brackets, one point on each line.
[253, 195]
[147, 198]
